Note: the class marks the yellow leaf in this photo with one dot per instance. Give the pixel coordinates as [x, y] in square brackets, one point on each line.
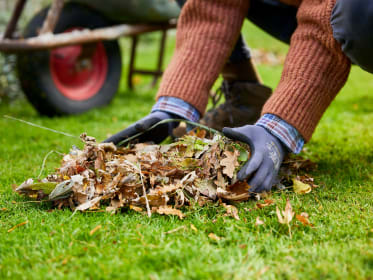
[213, 236]
[193, 227]
[135, 208]
[300, 187]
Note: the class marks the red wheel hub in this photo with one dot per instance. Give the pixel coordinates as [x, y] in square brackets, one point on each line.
[79, 71]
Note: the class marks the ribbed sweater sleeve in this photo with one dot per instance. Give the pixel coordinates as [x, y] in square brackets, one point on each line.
[206, 33]
[314, 72]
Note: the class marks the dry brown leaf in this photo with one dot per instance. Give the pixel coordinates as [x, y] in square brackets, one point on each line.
[230, 162]
[267, 202]
[232, 211]
[258, 222]
[17, 226]
[135, 208]
[287, 214]
[303, 218]
[168, 210]
[214, 237]
[300, 187]
[89, 204]
[92, 232]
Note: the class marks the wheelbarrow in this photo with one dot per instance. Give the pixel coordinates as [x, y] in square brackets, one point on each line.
[68, 57]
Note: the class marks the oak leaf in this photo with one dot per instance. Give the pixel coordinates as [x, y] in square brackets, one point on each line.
[230, 162]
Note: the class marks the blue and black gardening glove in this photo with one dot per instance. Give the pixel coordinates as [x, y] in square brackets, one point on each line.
[267, 154]
[156, 135]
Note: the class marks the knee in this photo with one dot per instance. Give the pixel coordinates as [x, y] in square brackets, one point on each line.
[352, 24]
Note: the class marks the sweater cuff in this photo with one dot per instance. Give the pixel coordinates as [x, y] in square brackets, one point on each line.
[286, 133]
[177, 107]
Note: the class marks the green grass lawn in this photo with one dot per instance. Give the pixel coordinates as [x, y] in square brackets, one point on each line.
[54, 245]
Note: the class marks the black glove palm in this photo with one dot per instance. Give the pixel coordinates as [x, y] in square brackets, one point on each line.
[156, 135]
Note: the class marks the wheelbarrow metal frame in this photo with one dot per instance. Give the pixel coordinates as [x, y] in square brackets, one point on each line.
[47, 40]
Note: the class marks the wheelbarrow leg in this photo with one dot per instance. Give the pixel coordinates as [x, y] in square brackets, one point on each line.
[131, 69]
[52, 17]
[162, 48]
[11, 27]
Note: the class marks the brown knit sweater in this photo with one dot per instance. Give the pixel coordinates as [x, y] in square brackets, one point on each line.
[315, 68]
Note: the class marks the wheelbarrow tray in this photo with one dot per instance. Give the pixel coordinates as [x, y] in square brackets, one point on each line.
[134, 11]
[131, 16]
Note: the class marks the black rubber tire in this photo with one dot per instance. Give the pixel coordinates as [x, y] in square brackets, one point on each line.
[34, 70]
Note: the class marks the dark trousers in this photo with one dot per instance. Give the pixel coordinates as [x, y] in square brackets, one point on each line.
[351, 20]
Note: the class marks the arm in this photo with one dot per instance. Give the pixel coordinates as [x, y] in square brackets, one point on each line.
[207, 31]
[315, 70]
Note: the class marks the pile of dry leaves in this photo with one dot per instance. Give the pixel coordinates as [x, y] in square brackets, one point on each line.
[155, 178]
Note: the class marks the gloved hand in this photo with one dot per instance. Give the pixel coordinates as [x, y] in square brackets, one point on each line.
[267, 154]
[156, 135]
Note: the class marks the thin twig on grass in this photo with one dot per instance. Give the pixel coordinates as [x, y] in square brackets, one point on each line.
[175, 230]
[40, 126]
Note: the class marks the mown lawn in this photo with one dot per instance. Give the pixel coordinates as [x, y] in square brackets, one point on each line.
[54, 245]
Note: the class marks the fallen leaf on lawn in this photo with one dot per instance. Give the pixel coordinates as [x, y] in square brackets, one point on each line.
[258, 222]
[135, 208]
[287, 215]
[64, 262]
[230, 162]
[300, 187]
[92, 232]
[239, 191]
[242, 246]
[3, 209]
[16, 226]
[232, 211]
[168, 210]
[213, 236]
[303, 218]
[88, 204]
[266, 203]
[175, 230]
[193, 227]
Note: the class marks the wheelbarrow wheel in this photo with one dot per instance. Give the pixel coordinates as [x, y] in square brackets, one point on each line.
[73, 79]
